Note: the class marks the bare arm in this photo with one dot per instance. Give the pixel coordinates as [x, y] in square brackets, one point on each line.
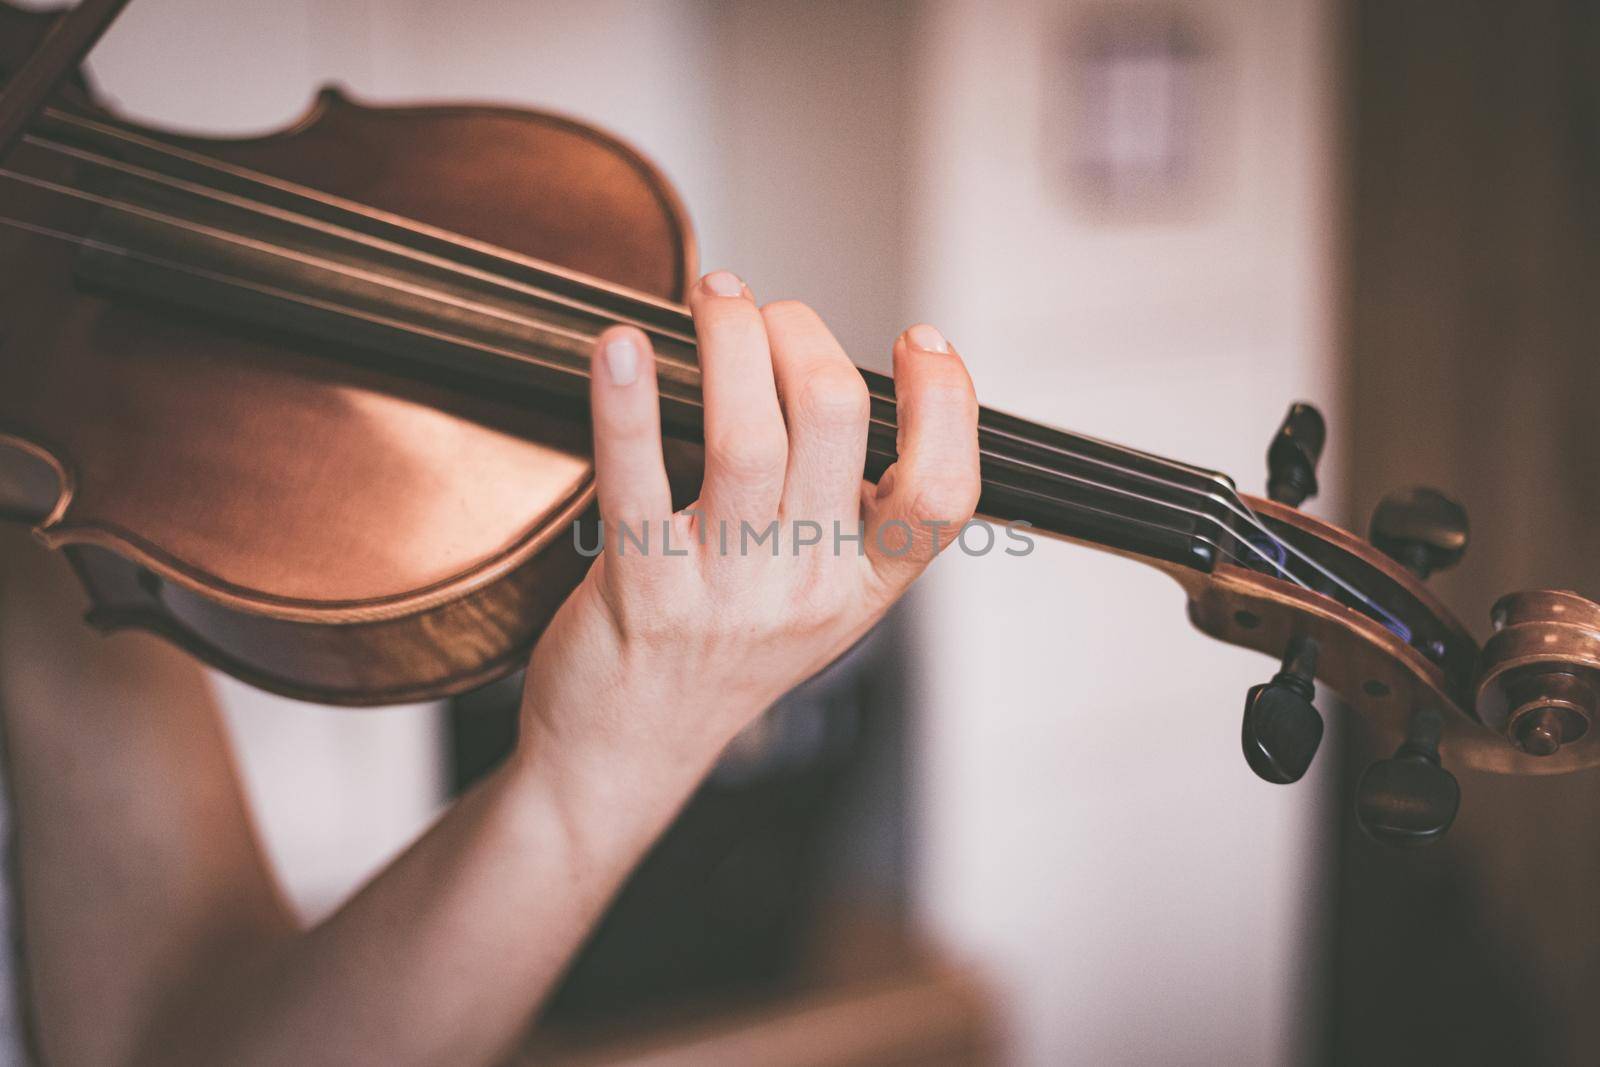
[153, 931]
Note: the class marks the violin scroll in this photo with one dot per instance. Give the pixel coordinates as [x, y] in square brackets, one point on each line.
[1539, 676]
[1355, 616]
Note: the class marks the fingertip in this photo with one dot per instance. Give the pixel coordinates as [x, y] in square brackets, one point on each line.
[925, 361]
[621, 354]
[925, 338]
[724, 283]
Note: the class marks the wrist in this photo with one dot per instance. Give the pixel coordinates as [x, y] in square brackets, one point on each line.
[607, 784]
[633, 713]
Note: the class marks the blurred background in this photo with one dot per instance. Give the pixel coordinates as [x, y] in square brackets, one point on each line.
[1154, 222]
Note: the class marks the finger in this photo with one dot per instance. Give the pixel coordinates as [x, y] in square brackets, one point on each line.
[932, 489]
[630, 473]
[746, 444]
[825, 406]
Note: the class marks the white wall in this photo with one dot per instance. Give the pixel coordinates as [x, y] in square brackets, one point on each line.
[1089, 827]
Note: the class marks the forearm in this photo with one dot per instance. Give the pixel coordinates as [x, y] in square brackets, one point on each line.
[446, 955]
[152, 932]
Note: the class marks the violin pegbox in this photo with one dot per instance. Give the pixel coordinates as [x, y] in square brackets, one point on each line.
[1395, 653]
[1357, 616]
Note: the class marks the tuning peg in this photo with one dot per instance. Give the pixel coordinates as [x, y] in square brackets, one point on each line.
[1281, 726]
[1292, 457]
[1409, 799]
[1421, 529]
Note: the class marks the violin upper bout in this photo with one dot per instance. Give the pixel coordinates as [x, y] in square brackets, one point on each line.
[527, 181]
[35, 487]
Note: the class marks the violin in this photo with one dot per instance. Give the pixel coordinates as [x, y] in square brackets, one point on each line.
[312, 406]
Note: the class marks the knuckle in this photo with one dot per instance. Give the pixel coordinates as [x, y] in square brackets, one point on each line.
[785, 313]
[833, 395]
[625, 426]
[943, 498]
[729, 322]
[950, 395]
[748, 453]
[820, 605]
[648, 603]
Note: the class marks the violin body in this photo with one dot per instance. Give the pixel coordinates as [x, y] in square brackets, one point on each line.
[319, 527]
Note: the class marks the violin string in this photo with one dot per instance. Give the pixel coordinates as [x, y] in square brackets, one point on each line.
[585, 339]
[354, 236]
[110, 132]
[309, 202]
[690, 370]
[686, 338]
[992, 458]
[1275, 565]
[1227, 497]
[1225, 494]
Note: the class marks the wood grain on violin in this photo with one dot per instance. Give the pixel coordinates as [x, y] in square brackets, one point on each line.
[314, 404]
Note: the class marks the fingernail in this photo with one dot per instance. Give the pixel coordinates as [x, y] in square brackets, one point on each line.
[622, 360]
[927, 338]
[724, 283]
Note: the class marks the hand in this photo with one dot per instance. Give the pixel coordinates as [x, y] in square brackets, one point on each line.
[669, 655]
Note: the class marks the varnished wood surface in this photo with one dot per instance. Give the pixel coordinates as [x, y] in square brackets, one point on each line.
[317, 526]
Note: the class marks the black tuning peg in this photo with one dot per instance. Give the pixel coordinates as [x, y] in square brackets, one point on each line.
[1292, 457]
[1410, 799]
[1281, 726]
[1421, 529]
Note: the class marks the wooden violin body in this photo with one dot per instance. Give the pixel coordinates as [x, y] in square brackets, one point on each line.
[316, 527]
[290, 487]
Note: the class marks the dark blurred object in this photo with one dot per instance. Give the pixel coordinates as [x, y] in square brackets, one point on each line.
[1422, 529]
[1282, 729]
[1472, 321]
[804, 809]
[916, 1014]
[1293, 455]
[1409, 799]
